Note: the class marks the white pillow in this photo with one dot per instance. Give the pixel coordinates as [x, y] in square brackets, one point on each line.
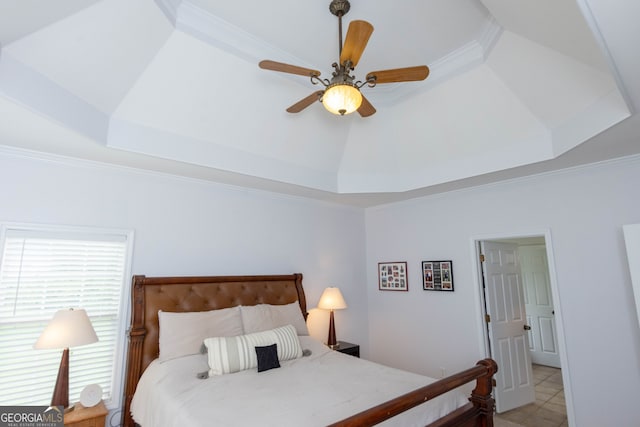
[232, 354]
[182, 334]
[262, 317]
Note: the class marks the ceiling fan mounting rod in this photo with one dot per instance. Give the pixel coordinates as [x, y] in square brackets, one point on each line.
[339, 8]
[339, 35]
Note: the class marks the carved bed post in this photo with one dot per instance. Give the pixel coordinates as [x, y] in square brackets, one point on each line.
[302, 300]
[477, 413]
[481, 395]
[137, 333]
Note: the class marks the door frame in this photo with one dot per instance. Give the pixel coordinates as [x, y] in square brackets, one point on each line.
[483, 335]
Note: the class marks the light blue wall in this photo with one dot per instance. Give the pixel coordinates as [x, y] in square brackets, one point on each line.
[584, 209]
[189, 227]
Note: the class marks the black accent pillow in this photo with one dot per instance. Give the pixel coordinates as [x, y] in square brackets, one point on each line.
[267, 357]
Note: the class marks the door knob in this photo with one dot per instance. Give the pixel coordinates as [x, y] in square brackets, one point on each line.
[527, 327]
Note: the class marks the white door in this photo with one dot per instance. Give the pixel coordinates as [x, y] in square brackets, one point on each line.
[543, 340]
[508, 338]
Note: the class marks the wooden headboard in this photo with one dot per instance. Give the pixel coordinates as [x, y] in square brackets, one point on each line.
[187, 294]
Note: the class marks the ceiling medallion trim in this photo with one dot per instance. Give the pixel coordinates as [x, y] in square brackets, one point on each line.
[339, 7]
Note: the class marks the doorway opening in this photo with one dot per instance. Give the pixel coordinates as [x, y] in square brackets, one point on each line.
[521, 325]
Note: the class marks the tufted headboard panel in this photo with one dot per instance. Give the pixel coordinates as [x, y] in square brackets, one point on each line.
[187, 294]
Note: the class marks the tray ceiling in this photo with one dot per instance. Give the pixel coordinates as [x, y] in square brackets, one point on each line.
[174, 86]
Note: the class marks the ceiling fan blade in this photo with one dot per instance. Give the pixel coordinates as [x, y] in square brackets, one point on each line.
[286, 68]
[366, 109]
[305, 102]
[357, 37]
[409, 74]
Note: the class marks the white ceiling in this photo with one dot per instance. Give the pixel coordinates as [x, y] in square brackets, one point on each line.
[515, 88]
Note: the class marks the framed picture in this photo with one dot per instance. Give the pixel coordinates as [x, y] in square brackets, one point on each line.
[437, 275]
[392, 276]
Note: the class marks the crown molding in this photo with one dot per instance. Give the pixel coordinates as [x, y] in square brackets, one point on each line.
[141, 139]
[592, 23]
[170, 9]
[203, 25]
[219, 33]
[632, 160]
[451, 65]
[78, 162]
[489, 35]
[34, 91]
[455, 63]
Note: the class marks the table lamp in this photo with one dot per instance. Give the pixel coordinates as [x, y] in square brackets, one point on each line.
[68, 328]
[332, 299]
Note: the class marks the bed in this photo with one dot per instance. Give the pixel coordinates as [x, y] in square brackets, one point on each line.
[354, 392]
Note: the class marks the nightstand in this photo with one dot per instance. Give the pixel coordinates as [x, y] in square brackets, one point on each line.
[86, 417]
[348, 348]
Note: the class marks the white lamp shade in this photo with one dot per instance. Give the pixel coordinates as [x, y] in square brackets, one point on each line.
[68, 328]
[332, 299]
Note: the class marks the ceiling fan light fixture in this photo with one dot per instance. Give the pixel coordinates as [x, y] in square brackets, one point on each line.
[341, 98]
[341, 95]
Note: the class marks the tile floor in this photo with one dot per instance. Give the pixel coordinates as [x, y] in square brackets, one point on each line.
[549, 409]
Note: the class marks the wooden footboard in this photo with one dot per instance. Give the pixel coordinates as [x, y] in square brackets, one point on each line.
[477, 413]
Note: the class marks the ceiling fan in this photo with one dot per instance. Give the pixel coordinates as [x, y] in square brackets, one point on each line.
[341, 95]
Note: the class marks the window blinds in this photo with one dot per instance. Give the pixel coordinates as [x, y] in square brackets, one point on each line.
[40, 273]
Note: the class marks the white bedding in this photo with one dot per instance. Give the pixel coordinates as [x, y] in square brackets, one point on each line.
[314, 390]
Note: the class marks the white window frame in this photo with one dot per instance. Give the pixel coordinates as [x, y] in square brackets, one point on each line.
[78, 232]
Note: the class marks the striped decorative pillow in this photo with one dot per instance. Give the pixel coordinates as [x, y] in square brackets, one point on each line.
[232, 354]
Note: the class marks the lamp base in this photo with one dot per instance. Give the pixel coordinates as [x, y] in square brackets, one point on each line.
[61, 390]
[332, 342]
[334, 346]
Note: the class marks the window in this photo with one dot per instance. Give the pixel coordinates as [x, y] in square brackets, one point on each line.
[42, 270]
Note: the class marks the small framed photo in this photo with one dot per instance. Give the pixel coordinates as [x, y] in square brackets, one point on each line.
[392, 276]
[437, 275]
